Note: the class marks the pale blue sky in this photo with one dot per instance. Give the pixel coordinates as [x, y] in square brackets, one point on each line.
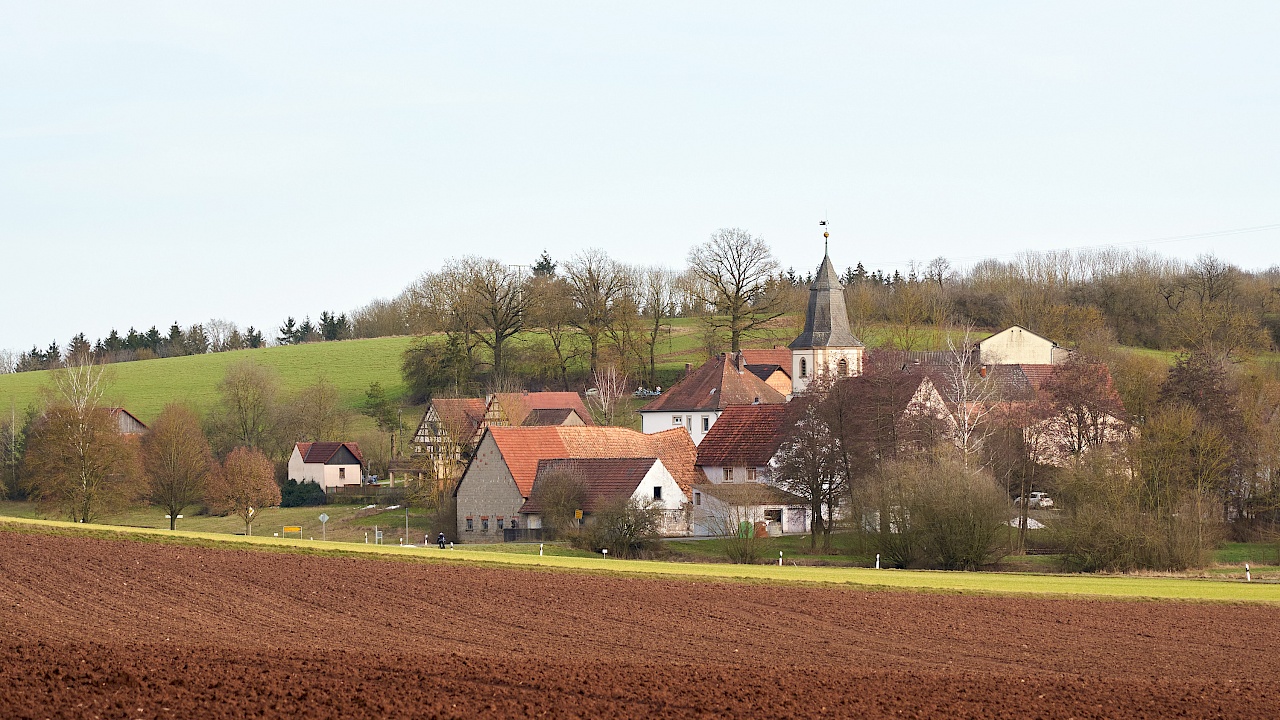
[181, 161]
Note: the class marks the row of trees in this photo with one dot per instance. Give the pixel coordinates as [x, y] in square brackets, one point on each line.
[198, 339]
[590, 311]
[213, 336]
[592, 307]
[75, 460]
[69, 453]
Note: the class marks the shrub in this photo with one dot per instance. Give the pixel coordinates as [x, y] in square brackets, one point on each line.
[628, 529]
[936, 512]
[306, 494]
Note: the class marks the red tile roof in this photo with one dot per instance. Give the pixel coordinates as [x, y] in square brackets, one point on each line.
[517, 406]
[774, 356]
[551, 416]
[606, 480]
[460, 416]
[744, 436]
[716, 385]
[523, 447]
[322, 452]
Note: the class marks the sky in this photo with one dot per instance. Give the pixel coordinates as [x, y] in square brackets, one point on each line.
[165, 162]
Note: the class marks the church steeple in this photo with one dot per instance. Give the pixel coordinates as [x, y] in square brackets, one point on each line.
[826, 321]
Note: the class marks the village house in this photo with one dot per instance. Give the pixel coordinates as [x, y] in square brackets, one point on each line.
[1019, 346]
[736, 457]
[606, 481]
[451, 427]
[330, 465]
[696, 402]
[501, 473]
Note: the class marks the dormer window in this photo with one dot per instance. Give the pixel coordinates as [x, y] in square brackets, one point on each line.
[843, 367]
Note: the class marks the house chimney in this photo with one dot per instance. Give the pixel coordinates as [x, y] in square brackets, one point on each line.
[982, 371]
[740, 362]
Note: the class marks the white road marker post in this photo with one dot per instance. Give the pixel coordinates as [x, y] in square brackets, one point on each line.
[1247, 576]
[877, 561]
[779, 558]
[539, 549]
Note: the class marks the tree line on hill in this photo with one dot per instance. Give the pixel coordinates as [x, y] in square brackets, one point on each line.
[592, 306]
[592, 310]
[198, 339]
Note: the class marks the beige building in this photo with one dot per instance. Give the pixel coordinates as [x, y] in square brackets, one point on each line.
[1019, 346]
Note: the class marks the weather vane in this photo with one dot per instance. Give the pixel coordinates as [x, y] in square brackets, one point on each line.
[826, 237]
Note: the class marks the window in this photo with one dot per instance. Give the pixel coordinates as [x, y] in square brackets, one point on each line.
[728, 474]
[500, 523]
[657, 492]
[470, 525]
[677, 420]
[804, 368]
[773, 515]
[697, 498]
[484, 524]
[751, 474]
[843, 367]
[706, 423]
[342, 473]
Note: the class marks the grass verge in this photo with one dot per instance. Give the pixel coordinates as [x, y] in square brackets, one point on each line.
[1118, 587]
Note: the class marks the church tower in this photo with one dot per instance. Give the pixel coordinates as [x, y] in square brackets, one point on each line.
[826, 345]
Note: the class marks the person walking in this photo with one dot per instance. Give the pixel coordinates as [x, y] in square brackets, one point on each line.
[440, 540]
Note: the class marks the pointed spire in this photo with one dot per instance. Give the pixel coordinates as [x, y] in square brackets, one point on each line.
[826, 321]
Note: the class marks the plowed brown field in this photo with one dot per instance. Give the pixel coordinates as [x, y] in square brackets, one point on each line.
[117, 628]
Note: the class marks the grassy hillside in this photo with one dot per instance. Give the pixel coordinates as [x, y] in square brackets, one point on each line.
[145, 387]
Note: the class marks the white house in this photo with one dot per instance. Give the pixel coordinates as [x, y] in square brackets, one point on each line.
[328, 464]
[610, 480]
[695, 403]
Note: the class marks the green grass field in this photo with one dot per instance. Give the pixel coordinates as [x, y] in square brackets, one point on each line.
[146, 386]
[1115, 587]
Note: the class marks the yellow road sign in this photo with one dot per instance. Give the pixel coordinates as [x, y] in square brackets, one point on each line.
[292, 528]
[577, 514]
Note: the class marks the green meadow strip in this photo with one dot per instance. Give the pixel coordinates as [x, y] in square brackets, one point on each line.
[1102, 586]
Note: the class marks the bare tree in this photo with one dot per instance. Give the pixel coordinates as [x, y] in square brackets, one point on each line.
[656, 292]
[552, 312]
[732, 272]
[806, 466]
[498, 298]
[248, 395]
[970, 391]
[76, 458]
[611, 391]
[245, 487]
[596, 283]
[317, 414]
[176, 460]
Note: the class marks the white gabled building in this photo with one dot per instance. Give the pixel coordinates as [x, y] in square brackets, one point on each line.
[328, 464]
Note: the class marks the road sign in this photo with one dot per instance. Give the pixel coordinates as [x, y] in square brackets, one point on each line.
[293, 528]
[577, 514]
[324, 517]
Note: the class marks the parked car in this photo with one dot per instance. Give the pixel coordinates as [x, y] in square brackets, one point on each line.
[1039, 500]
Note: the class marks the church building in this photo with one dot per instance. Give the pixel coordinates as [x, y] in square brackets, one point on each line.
[825, 346]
